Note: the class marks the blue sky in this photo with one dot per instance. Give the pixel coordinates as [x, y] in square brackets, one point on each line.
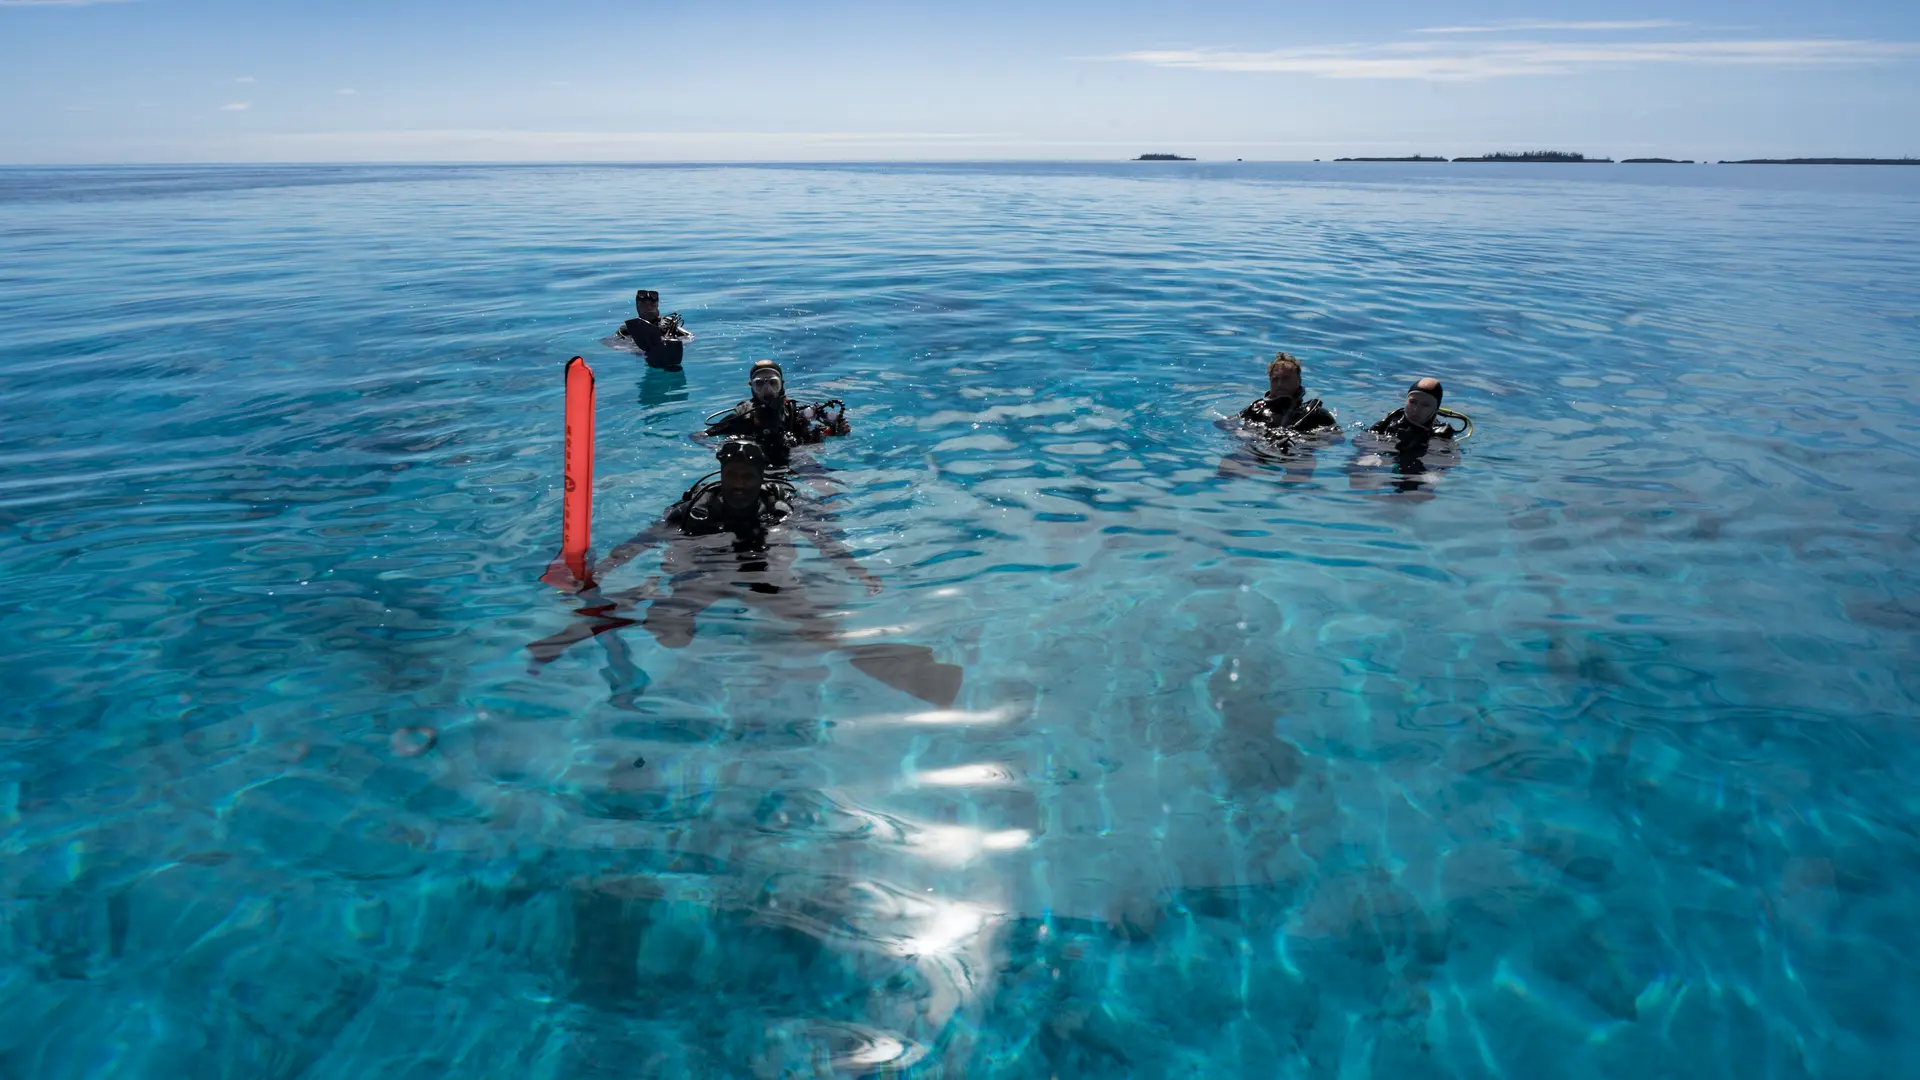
[354, 80]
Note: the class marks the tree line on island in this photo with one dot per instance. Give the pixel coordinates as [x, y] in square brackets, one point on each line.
[1570, 157]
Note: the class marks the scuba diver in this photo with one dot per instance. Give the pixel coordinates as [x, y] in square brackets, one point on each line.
[1415, 440]
[1283, 418]
[743, 502]
[661, 340]
[1416, 419]
[1284, 410]
[774, 421]
[729, 539]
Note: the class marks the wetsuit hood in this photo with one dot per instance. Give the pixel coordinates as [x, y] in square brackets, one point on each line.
[757, 383]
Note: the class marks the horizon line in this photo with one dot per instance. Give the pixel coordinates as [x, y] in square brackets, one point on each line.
[1434, 159]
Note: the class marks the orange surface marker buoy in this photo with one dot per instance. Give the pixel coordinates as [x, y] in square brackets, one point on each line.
[569, 571]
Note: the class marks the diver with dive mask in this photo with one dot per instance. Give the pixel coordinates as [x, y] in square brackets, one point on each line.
[661, 340]
[775, 422]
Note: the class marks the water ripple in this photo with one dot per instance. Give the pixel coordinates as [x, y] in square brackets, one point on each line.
[1582, 748]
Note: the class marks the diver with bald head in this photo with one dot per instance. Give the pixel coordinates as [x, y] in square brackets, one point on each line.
[1410, 447]
[774, 421]
[1417, 419]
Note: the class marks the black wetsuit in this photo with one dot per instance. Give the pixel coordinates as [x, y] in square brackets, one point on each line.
[1396, 425]
[704, 511]
[744, 554]
[661, 341]
[778, 427]
[714, 553]
[1410, 446]
[1303, 418]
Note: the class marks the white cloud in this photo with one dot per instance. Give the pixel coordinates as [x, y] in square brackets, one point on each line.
[1463, 61]
[238, 106]
[567, 138]
[487, 144]
[346, 91]
[1580, 27]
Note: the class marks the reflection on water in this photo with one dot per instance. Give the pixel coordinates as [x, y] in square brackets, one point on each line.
[660, 387]
[1578, 749]
[1405, 466]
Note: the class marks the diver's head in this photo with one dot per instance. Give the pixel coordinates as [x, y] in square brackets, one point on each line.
[646, 304]
[1283, 379]
[743, 468]
[1423, 402]
[767, 381]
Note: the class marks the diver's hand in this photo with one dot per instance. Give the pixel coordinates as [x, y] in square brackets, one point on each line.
[872, 582]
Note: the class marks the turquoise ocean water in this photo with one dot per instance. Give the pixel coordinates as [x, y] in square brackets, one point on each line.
[1589, 752]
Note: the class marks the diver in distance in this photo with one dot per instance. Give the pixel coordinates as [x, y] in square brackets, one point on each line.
[661, 340]
[774, 421]
[731, 539]
[1285, 410]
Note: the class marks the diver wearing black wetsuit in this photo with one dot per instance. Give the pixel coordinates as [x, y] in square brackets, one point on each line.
[661, 340]
[1285, 410]
[1418, 420]
[774, 421]
[1409, 447]
[746, 507]
[730, 540]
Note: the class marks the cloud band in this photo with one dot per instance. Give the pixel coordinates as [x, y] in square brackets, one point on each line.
[1464, 61]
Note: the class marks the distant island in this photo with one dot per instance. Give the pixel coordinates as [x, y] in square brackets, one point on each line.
[1539, 155]
[1569, 157]
[1827, 161]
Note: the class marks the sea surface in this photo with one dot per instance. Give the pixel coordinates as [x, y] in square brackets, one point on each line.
[1587, 749]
